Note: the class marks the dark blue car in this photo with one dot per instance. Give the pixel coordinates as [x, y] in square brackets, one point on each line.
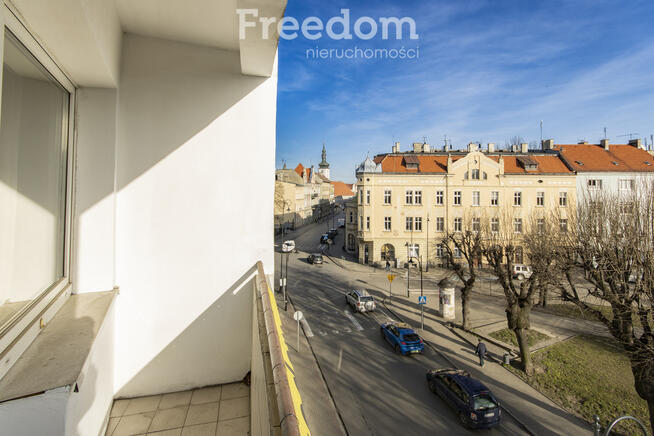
[469, 398]
[402, 338]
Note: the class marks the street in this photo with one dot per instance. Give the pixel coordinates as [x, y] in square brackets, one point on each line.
[375, 391]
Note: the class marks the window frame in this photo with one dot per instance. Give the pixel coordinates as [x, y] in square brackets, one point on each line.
[458, 198]
[19, 325]
[540, 199]
[440, 224]
[517, 226]
[495, 197]
[408, 224]
[408, 197]
[388, 196]
[517, 198]
[458, 222]
[417, 222]
[563, 199]
[476, 198]
[388, 224]
[440, 197]
[417, 198]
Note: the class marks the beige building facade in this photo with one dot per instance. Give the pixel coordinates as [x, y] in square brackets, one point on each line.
[407, 202]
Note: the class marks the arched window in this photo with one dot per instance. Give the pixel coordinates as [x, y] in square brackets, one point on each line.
[388, 252]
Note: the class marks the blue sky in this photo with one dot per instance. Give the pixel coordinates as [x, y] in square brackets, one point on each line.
[487, 71]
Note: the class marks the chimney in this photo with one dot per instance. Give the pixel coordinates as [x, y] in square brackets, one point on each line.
[446, 148]
[514, 148]
[548, 144]
[472, 147]
[396, 147]
[582, 142]
[636, 143]
[417, 147]
[524, 147]
[425, 148]
[605, 144]
[491, 147]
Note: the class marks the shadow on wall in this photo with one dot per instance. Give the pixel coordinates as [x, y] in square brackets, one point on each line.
[226, 323]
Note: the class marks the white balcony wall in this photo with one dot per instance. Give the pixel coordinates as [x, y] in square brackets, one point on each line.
[93, 266]
[195, 180]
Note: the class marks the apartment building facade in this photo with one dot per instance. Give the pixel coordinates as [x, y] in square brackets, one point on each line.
[407, 202]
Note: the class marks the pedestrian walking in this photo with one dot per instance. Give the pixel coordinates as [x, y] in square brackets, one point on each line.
[481, 352]
[388, 265]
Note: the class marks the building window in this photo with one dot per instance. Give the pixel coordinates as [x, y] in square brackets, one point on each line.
[475, 198]
[456, 252]
[517, 198]
[540, 199]
[563, 199]
[387, 223]
[367, 197]
[458, 224]
[417, 197]
[367, 223]
[351, 217]
[495, 198]
[563, 224]
[413, 250]
[439, 198]
[594, 184]
[476, 224]
[457, 198]
[474, 174]
[418, 224]
[517, 225]
[33, 175]
[540, 223]
[440, 251]
[361, 223]
[360, 196]
[495, 225]
[626, 184]
[387, 196]
[408, 199]
[518, 255]
[409, 224]
[440, 224]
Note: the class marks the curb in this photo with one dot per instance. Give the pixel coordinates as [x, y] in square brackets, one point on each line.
[522, 424]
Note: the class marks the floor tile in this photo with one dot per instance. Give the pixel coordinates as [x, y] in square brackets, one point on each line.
[175, 399]
[235, 390]
[206, 395]
[119, 408]
[142, 404]
[235, 408]
[202, 413]
[133, 424]
[200, 430]
[166, 419]
[111, 426]
[173, 432]
[234, 427]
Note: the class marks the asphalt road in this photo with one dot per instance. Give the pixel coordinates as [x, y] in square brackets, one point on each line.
[376, 391]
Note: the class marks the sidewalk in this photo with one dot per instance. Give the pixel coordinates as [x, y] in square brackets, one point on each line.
[535, 411]
[317, 404]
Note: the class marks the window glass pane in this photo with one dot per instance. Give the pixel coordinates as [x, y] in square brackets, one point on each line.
[32, 177]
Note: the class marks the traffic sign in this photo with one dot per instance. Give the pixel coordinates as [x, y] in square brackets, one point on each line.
[422, 299]
[297, 315]
[391, 277]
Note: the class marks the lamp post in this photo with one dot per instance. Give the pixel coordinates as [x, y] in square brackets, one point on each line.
[427, 242]
[422, 306]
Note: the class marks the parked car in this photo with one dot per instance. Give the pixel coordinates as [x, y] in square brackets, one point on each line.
[402, 338]
[361, 301]
[324, 239]
[521, 271]
[288, 247]
[332, 233]
[473, 402]
[315, 259]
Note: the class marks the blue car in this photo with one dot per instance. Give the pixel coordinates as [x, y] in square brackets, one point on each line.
[469, 398]
[402, 338]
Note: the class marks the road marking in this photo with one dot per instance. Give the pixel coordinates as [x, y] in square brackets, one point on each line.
[340, 359]
[387, 315]
[307, 329]
[354, 321]
[322, 333]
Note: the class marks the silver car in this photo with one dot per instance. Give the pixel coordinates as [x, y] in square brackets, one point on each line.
[361, 301]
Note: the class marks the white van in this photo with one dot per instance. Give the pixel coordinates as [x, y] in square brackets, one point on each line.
[521, 271]
[288, 247]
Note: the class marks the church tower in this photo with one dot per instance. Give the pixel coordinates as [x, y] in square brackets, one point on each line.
[323, 167]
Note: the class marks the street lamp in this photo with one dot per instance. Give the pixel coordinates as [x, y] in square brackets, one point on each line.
[427, 242]
[422, 306]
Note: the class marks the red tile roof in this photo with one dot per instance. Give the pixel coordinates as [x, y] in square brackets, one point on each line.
[299, 169]
[428, 164]
[342, 190]
[546, 165]
[593, 157]
[438, 164]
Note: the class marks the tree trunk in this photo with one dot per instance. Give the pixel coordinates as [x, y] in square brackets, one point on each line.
[650, 405]
[642, 367]
[465, 306]
[542, 296]
[525, 355]
[517, 315]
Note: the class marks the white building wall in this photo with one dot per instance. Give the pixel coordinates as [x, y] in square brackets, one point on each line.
[196, 143]
[610, 181]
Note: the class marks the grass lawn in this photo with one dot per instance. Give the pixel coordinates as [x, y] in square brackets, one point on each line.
[508, 337]
[588, 375]
[571, 310]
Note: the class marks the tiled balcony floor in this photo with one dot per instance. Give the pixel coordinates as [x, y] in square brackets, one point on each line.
[211, 411]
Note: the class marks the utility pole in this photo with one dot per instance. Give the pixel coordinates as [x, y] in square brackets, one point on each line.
[427, 242]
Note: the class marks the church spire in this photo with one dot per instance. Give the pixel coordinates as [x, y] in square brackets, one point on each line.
[324, 163]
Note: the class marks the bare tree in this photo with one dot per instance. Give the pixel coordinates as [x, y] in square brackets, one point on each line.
[462, 252]
[612, 243]
[510, 238]
[514, 140]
